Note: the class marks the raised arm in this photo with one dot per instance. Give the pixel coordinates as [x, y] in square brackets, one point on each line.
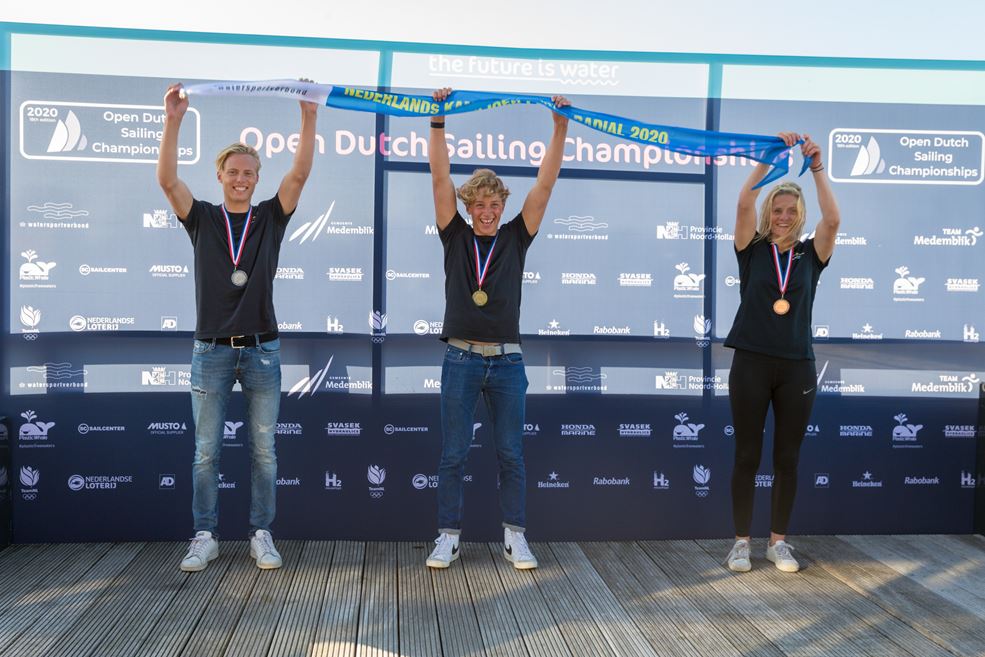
[536, 202]
[745, 211]
[177, 192]
[827, 227]
[290, 187]
[441, 184]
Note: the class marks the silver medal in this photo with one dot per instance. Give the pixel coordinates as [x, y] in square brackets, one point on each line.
[239, 277]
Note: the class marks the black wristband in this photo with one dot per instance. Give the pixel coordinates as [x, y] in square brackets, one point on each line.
[437, 124]
[818, 169]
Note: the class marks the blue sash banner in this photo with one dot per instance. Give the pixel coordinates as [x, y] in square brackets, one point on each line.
[700, 143]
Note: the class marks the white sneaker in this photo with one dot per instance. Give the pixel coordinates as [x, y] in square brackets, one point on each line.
[738, 559]
[445, 551]
[202, 550]
[779, 554]
[515, 549]
[262, 549]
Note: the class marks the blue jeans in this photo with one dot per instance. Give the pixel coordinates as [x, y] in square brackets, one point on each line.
[502, 382]
[215, 368]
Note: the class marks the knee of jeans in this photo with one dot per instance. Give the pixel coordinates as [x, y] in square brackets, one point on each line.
[205, 456]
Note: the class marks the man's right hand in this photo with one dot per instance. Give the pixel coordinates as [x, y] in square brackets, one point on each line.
[175, 103]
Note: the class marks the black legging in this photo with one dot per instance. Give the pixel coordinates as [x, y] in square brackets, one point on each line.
[755, 381]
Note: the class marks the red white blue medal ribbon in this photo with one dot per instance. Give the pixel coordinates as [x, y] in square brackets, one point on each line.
[238, 277]
[782, 272]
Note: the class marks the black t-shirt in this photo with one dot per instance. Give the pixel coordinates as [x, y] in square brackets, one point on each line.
[499, 319]
[756, 327]
[224, 309]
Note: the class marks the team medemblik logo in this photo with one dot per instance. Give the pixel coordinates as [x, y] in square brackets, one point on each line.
[321, 225]
[686, 433]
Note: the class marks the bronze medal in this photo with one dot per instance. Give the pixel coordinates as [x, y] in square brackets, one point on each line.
[480, 298]
[781, 306]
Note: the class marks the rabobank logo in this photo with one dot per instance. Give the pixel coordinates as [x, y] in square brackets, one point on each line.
[67, 135]
[869, 159]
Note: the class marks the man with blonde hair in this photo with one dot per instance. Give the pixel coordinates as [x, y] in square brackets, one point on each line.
[236, 245]
[483, 277]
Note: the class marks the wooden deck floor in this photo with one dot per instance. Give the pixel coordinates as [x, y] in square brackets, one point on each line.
[876, 595]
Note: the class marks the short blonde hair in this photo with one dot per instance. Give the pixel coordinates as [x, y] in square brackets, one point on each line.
[766, 211]
[482, 182]
[236, 149]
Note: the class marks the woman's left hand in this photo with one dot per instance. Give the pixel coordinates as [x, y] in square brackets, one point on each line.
[811, 149]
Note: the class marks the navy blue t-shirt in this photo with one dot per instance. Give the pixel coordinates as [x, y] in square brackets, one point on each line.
[224, 309]
[756, 327]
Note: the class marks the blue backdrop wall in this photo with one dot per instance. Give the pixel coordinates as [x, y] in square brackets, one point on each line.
[630, 289]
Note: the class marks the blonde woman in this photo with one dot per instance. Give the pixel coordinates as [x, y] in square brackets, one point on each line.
[774, 359]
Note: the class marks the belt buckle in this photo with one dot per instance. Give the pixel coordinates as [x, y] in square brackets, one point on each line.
[232, 342]
[490, 350]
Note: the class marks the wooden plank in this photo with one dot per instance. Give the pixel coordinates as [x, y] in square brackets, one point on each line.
[302, 607]
[575, 623]
[177, 624]
[936, 618]
[378, 614]
[336, 633]
[418, 619]
[220, 616]
[531, 610]
[615, 624]
[457, 620]
[670, 621]
[497, 626]
[261, 613]
[32, 569]
[73, 600]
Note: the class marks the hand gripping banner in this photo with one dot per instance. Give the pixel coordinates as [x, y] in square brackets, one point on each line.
[700, 143]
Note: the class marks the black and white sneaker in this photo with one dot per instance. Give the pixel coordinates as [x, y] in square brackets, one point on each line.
[446, 550]
[515, 549]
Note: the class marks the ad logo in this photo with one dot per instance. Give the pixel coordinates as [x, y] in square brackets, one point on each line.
[166, 482]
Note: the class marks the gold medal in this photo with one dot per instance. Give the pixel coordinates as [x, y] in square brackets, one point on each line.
[480, 298]
[781, 306]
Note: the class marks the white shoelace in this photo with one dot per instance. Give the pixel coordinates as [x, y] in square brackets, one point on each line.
[198, 546]
[739, 551]
[521, 551]
[265, 541]
[445, 544]
[782, 551]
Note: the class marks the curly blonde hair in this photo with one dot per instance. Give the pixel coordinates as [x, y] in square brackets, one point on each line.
[236, 149]
[483, 182]
[766, 211]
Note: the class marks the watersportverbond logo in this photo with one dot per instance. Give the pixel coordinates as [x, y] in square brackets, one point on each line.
[611, 330]
[855, 431]
[868, 333]
[345, 274]
[34, 274]
[579, 228]
[579, 379]
[426, 327]
[531, 278]
[867, 481]
[578, 430]
[635, 280]
[289, 274]
[906, 287]
[167, 428]
[79, 323]
[959, 431]
[393, 274]
[33, 433]
[165, 376]
[391, 429]
[702, 478]
[764, 481]
[85, 428]
[56, 215]
[168, 271]
[857, 283]
[904, 434]
[160, 219]
[947, 383]
[922, 334]
[610, 481]
[687, 286]
[344, 429]
[554, 328]
[86, 270]
[660, 481]
[673, 230]
[98, 482]
[921, 481]
[686, 433]
[554, 481]
[643, 430]
[288, 482]
[578, 278]
[962, 285]
[289, 429]
[951, 237]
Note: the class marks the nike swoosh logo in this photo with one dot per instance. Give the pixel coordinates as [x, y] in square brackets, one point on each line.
[509, 549]
[808, 391]
[454, 550]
